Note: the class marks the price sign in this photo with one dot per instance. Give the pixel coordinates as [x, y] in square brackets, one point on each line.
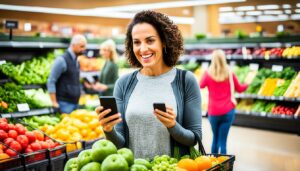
[2, 62]
[277, 68]
[244, 52]
[9, 24]
[23, 107]
[253, 67]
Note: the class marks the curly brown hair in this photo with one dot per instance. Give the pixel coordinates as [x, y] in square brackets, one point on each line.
[168, 33]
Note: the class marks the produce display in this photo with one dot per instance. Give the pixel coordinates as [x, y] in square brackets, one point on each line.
[18, 138]
[37, 122]
[39, 96]
[78, 125]
[11, 95]
[294, 88]
[34, 71]
[90, 64]
[105, 156]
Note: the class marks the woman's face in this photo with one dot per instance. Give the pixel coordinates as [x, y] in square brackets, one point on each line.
[105, 52]
[147, 46]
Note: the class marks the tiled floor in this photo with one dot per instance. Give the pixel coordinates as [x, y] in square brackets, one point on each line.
[259, 150]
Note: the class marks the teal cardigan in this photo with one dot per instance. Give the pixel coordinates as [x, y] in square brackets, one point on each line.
[108, 76]
[187, 131]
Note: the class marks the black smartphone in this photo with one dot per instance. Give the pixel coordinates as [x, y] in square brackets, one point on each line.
[160, 106]
[109, 102]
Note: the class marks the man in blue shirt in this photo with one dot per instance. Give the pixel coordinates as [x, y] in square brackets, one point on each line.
[63, 83]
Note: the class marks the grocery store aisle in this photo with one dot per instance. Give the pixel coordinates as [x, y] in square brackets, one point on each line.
[259, 150]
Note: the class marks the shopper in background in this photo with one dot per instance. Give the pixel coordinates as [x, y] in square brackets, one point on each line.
[63, 83]
[109, 73]
[153, 44]
[221, 83]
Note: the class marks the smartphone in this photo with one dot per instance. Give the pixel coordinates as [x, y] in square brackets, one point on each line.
[160, 106]
[109, 102]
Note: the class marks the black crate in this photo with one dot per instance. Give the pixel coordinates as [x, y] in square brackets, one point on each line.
[12, 163]
[19, 168]
[41, 165]
[227, 165]
[57, 163]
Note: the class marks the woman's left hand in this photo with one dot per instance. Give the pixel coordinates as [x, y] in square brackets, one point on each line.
[167, 118]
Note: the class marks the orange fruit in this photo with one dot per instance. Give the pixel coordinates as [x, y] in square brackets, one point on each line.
[213, 160]
[188, 164]
[222, 158]
[203, 163]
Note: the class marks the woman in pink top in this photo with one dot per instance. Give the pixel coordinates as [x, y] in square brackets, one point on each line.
[221, 101]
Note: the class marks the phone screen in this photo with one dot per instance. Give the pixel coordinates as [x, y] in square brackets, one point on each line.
[109, 102]
[160, 106]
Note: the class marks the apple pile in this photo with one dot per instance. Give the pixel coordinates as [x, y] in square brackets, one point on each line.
[18, 138]
[105, 156]
[280, 109]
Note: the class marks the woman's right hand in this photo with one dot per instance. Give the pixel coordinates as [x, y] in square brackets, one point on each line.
[107, 123]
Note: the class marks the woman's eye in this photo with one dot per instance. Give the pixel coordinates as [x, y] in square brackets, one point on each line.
[150, 41]
[136, 43]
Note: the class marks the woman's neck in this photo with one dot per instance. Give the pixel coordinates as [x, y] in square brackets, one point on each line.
[156, 71]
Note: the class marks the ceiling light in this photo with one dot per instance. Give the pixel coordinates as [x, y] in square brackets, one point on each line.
[273, 12]
[244, 8]
[283, 17]
[287, 11]
[253, 13]
[295, 17]
[266, 18]
[227, 14]
[297, 10]
[298, 4]
[240, 13]
[266, 7]
[286, 6]
[225, 9]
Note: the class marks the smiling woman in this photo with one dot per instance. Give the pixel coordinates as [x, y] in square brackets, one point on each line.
[154, 44]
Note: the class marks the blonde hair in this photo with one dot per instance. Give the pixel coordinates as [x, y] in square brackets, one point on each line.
[218, 68]
[111, 45]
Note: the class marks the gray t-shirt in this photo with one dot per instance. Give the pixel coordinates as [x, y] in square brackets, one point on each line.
[147, 135]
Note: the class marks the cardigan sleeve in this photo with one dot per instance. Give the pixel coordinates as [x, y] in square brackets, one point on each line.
[117, 135]
[192, 117]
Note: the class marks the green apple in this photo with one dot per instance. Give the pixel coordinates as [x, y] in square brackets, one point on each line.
[72, 165]
[84, 157]
[138, 167]
[114, 162]
[101, 149]
[127, 154]
[93, 166]
[143, 162]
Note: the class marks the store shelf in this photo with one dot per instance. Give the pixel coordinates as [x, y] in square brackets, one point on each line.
[272, 98]
[239, 57]
[268, 122]
[34, 86]
[33, 112]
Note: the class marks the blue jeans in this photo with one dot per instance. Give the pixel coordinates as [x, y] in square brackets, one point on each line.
[67, 107]
[220, 126]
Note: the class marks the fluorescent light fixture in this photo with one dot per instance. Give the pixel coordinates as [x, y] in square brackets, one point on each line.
[125, 11]
[244, 8]
[240, 13]
[27, 26]
[297, 10]
[287, 11]
[295, 17]
[266, 7]
[253, 13]
[273, 12]
[250, 19]
[115, 31]
[298, 4]
[268, 18]
[227, 14]
[283, 17]
[286, 6]
[225, 9]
